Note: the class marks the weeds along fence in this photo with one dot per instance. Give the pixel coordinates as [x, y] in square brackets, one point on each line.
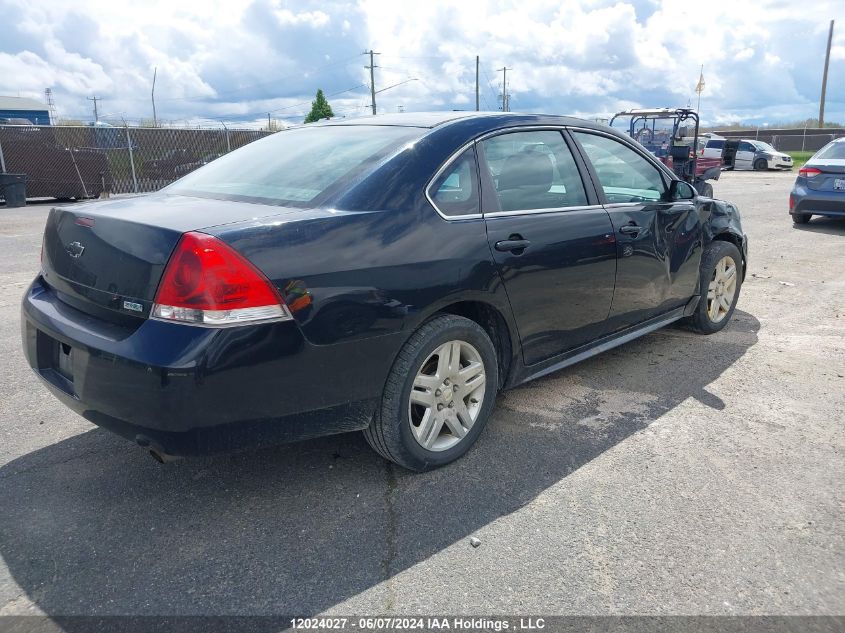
[85, 161]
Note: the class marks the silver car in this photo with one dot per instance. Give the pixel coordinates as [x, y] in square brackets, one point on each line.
[746, 154]
[820, 186]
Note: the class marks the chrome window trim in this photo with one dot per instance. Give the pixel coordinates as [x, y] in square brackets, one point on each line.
[505, 214]
[456, 154]
[625, 205]
[446, 165]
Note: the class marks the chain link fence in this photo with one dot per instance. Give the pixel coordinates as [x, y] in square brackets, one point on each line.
[789, 139]
[803, 143]
[85, 161]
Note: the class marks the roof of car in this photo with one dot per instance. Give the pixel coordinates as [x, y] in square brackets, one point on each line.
[434, 119]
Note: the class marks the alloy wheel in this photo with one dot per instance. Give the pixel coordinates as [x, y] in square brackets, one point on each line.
[447, 395]
[722, 289]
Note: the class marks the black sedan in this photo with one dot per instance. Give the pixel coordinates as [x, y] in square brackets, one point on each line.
[389, 274]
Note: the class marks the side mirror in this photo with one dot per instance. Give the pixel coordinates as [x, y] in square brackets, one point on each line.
[680, 190]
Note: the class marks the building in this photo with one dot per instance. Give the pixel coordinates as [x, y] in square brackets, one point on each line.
[22, 108]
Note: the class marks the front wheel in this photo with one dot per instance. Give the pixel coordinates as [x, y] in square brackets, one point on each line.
[721, 279]
[761, 165]
[438, 396]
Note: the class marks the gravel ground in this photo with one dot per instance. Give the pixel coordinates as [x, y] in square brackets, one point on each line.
[678, 474]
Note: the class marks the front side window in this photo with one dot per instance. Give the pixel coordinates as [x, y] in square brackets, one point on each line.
[745, 147]
[455, 191]
[624, 175]
[533, 170]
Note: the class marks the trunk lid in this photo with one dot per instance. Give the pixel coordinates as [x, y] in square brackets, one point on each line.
[833, 169]
[107, 258]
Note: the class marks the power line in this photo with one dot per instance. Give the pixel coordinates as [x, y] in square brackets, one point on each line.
[490, 86]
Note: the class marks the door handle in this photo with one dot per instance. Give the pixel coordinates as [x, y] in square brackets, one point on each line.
[512, 244]
[631, 229]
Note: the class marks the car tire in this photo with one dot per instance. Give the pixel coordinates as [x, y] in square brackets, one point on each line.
[761, 164]
[801, 218]
[708, 319]
[399, 430]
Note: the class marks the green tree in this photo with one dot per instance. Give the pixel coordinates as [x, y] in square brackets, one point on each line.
[320, 109]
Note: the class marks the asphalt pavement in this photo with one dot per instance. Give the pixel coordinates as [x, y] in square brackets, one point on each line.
[679, 474]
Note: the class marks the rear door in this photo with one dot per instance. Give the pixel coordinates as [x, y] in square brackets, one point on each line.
[552, 241]
[658, 241]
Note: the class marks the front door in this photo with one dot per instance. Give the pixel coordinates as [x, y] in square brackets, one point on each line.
[658, 241]
[553, 245]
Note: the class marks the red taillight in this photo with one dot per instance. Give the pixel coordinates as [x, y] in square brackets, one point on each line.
[206, 282]
[809, 172]
[791, 202]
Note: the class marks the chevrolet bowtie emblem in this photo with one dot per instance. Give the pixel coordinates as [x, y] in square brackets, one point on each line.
[75, 249]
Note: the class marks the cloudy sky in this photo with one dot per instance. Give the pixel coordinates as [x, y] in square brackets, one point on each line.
[237, 60]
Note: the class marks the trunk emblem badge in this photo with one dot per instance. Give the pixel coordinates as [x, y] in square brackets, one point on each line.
[75, 249]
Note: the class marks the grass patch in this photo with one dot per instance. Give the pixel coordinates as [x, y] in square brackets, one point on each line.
[799, 158]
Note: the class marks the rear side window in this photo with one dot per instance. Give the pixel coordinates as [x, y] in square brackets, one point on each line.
[455, 191]
[533, 170]
[835, 151]
[295, 166]
[715, 144]
[625, 175]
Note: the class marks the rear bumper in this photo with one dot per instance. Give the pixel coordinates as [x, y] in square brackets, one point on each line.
[191, 390]
[830, 203]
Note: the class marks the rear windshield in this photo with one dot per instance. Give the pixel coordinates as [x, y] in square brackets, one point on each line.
[832, 151]
[294, 167]
[716, 144]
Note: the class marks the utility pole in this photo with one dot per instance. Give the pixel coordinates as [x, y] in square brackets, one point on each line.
[372, 68]
[51, 104]
[476, 84]
[153, 96]
[505, 97]
[268, 123]
[95, 99]
[824, 76]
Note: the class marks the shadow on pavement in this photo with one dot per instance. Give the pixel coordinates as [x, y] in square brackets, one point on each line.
[90, 526]
[820, 224]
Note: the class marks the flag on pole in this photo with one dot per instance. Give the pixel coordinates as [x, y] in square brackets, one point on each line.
[699, 87]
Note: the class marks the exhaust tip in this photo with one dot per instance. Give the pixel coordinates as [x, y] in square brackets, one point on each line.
[155, 451]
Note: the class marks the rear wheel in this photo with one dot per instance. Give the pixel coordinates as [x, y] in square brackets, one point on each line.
[438, 396]
[721, 279]
[801, 218]
[761, 164]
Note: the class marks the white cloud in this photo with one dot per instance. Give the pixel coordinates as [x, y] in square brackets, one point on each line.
[241, 58]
